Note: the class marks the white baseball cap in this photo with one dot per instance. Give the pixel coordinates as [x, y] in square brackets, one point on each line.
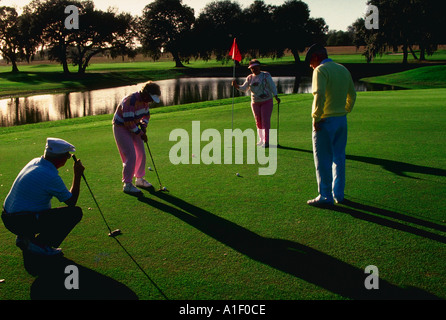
[56, 146]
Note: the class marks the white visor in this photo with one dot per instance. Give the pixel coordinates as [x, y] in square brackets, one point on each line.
[253, 65]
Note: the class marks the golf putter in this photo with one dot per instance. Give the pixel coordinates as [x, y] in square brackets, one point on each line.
[113, 233]
[156, 171]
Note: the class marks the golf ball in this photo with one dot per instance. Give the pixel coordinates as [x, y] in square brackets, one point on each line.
[237, 174]
[150, 169]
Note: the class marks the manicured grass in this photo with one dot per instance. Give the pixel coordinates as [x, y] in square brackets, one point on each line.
[219, 236]
[420, 78]
[388, 57]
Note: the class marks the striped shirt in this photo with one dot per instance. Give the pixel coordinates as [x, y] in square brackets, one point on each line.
[34, 187]
[132, 111]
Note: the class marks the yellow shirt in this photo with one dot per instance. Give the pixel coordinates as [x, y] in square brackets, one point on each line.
[333, 91]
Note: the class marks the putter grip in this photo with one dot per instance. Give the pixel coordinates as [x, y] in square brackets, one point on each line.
[75, 159]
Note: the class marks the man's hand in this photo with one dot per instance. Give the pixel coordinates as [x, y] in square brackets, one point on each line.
[143, 136]
[317, 125]
[78, 168]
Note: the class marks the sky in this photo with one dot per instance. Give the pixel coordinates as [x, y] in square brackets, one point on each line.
[338, 14]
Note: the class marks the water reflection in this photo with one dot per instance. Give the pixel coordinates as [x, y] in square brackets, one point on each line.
[49, 107]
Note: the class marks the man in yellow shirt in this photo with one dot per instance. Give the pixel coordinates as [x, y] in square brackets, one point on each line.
[334, 96]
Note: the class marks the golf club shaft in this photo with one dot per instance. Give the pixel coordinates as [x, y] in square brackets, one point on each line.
[154, 166]
[278, 121]
[111, 232]
[92, 195]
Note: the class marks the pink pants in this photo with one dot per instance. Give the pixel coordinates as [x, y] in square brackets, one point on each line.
[262, 114]
[133, 155]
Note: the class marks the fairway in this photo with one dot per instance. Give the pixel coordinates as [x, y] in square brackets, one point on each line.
[219, 236]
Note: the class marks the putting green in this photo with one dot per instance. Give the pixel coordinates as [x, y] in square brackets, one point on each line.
[216, 235]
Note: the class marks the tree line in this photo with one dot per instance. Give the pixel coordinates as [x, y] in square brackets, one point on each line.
[261, 30]
[402, 24]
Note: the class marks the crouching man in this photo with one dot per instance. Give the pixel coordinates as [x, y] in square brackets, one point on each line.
[27, 208]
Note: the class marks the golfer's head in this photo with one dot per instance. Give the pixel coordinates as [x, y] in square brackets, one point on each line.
[58, 151]
[315, 55]
[254, 66]
[151, 92]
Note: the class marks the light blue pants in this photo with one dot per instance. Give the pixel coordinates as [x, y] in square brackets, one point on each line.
[329, 144]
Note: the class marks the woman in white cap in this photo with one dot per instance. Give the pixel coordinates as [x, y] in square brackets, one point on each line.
[263, 89]
[129, 128]
[27, 208]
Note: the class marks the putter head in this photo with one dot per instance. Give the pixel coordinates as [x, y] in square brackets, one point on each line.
[115, 233]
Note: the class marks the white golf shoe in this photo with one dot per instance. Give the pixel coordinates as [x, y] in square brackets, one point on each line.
[141, 182]
[320, 201]
[130, 188]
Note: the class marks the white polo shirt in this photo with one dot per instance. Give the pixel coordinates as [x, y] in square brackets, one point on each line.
[34, 187]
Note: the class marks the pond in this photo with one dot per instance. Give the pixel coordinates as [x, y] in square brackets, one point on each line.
[49, 107]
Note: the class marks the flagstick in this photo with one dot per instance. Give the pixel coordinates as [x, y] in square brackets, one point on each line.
[278, 121]
[233, 93]
[235, 54]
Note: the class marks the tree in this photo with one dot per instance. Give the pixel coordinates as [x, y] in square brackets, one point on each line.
[357, 30]
[163, 26]
[295, 29]
[359, 37]
[403, 24]
[429, 29]
[12, 37]
[258, 24]
[28, 41]
[339, 38]
[316, 31]
[216, 26]
[48, 25]
[98, 32]
[101, 32]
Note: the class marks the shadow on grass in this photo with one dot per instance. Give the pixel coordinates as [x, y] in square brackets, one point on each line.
[368, 213]
[287, 256]
[397, 167]
[33, 78]
[50, 281]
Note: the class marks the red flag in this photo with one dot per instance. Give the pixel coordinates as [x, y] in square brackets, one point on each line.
[235, 53]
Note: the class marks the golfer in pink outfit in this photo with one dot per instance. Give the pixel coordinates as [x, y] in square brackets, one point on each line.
[263, 89]
[129, 129]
